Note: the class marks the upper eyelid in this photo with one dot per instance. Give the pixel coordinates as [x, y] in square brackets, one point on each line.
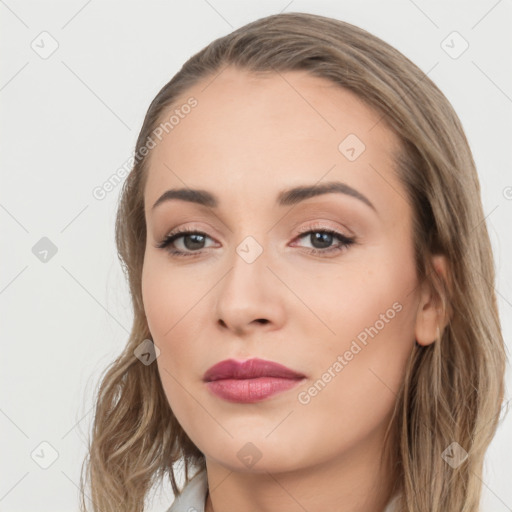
[317, 226]
[316, 220]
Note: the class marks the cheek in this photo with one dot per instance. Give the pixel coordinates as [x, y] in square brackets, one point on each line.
[357, 299]
[175, 312]
[371, 321]
[166, 302]
[168, 298]
[358, 371]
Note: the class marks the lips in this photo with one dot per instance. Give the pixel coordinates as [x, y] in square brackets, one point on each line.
[249, 369]
[250, 381]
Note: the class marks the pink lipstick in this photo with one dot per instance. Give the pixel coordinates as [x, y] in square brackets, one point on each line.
[250, 381]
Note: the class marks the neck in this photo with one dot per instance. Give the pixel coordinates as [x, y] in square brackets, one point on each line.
[354, 482]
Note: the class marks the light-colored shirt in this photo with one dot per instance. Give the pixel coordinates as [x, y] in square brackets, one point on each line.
[193, 497]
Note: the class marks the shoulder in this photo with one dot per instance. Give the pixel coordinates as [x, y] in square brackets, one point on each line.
[193, 496]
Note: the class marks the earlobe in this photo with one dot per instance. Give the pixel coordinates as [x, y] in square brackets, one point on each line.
[431, 315]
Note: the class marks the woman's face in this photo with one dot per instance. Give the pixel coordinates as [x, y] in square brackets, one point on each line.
[260, 279]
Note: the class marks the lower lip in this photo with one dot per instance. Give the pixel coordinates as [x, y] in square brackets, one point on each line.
[250, 390]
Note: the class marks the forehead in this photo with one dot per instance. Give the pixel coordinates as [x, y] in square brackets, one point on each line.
[260, 134]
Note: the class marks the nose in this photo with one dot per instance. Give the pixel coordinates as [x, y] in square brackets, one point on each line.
[250, 297]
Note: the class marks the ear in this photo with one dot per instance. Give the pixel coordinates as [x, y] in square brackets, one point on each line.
[431, 317]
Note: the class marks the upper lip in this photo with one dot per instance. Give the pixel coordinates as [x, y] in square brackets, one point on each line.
[249, 369]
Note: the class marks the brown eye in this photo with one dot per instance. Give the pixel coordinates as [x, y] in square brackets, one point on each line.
[322, 240]
[192, 241]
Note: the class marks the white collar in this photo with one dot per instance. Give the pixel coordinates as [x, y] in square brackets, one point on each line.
[193, 495]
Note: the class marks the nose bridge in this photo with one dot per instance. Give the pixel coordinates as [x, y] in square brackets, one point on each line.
[247, 293]
[251, 248]
[250, 235]
[248, 264]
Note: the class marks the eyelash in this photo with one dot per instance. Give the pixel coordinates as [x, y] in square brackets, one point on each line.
[345, 242]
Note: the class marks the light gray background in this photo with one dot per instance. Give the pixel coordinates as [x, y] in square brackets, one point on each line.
[70, 121]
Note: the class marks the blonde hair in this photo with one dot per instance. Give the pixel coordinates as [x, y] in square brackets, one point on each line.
[453, 388]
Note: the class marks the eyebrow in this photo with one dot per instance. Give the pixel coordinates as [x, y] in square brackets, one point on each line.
[287, 197]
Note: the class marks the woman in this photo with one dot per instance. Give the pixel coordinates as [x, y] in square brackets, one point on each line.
[315, 324]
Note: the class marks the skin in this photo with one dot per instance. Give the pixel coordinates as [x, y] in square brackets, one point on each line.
[249, 138]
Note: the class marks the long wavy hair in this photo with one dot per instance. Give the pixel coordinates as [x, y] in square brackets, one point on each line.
[453, 388]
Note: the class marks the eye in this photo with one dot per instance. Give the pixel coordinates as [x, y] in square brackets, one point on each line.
[193, 241]
[322, 240]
